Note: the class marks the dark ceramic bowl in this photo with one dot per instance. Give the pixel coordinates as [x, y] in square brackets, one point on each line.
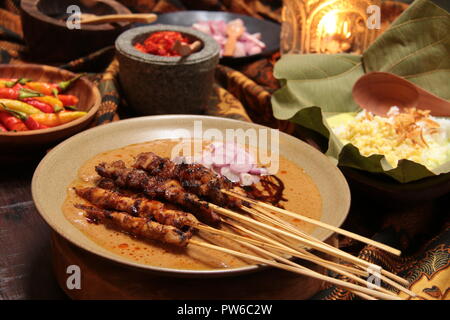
[166, 85]
[48, 38]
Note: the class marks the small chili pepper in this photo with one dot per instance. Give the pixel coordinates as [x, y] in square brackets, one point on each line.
[11, 122]
[56, 104]
[30, 123]
[17, 105]
[17, 94]
[3, 128]
[44, 107]
[64, 85]
[6, 83]
[19, 83]
[50, 89]
[42, 87]
[56, 119]
[68, 99]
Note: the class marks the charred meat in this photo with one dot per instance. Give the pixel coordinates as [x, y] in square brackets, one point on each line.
[194, 177]
[140, 207]
[138, 227]
[167, 189]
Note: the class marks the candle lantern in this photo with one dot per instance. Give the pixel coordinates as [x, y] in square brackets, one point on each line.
[327, 26]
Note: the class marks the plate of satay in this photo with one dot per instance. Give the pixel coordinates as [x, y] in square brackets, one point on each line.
[177, 195]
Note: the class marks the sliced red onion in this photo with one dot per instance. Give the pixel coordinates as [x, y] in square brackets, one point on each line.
[202, 26]
[221, 158]
[243, 157]
[254, 50]
[216, 145]
[207, 158]
[247, 44]
[228, 160]
[227, 173]
[240, 168]
[178, 159]
[223, 154]
[258, 171]
[248, 179]
[257, 35]
[239, 50]
[251, 37]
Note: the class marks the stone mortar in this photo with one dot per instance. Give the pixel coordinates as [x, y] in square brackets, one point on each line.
[166, 85]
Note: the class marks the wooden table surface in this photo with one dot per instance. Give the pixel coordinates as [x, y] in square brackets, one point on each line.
[25, 261]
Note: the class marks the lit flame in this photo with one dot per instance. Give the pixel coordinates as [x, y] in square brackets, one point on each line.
[330, 25]
[345, 30]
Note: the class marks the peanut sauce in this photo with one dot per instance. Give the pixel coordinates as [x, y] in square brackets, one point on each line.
[300, 191]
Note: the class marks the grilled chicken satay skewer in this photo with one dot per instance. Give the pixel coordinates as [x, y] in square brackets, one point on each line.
[142, 228]
[194, 177]
[138, 227]
[161, 166]
[141, 207]
[170, 190]
[153, 209]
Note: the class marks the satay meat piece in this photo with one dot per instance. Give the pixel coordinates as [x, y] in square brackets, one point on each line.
[194, 177]
[141, 207]
[138, 227]
[170, 190]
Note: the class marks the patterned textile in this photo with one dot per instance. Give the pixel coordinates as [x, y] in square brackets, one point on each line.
[244, 93]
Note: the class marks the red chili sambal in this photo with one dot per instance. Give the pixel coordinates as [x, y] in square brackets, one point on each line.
[161, 43]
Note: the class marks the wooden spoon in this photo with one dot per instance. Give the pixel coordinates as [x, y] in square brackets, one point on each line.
[378, 91]
[235, 29]
[134, 17]
[185, 49]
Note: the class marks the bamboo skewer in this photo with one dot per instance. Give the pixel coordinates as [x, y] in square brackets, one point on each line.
[316, 223]
[382, 276]
[365, 296]
[281, 248]
[299, 253]
[310, 243]
[305, 255]
[305, 271]
[345, 270]
[315, 259]
[290, 227]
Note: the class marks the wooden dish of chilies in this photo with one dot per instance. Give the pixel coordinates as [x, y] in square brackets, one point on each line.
[16, 144]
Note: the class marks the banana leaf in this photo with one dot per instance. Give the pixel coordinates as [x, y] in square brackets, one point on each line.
[315, 86]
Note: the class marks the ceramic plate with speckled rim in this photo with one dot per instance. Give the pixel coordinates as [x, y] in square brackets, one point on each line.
[60, 166]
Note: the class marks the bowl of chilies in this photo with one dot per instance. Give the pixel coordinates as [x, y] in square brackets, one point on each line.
[41, 106]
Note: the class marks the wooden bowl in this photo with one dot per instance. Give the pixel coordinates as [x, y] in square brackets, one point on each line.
[48, 38]
[15, 144]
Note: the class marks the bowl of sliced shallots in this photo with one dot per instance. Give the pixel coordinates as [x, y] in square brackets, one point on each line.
[241, 38]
